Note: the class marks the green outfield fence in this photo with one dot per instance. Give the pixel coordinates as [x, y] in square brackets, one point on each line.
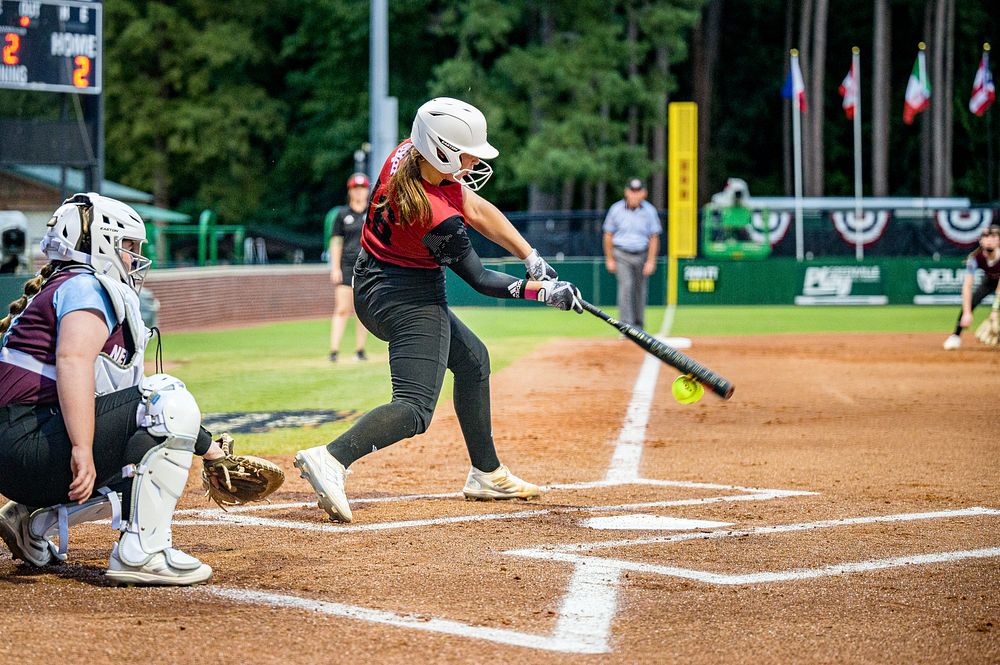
[785, 281]
[775, 281]
[597, 285]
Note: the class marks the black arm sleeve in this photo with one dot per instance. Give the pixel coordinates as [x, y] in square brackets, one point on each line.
[449, 244]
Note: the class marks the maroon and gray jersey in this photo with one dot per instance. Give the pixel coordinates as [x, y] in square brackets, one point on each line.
[978, 260]
[28, 352]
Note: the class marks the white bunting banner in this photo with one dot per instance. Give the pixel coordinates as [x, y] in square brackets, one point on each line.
[776, 226]
[962, 227]
[868, 229]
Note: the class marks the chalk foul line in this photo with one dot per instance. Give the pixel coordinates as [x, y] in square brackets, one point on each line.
[583, 625]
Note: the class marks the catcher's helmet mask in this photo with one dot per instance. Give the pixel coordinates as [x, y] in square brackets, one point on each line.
[90, 229]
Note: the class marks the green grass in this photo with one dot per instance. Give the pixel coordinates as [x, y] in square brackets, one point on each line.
[284, 366]
[763, 320]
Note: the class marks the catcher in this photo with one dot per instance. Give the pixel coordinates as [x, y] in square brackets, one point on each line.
[82, 429]
[987, 259]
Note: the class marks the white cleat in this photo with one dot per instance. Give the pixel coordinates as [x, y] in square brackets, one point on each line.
[953, 343]
[326, 475]
[498, 485]
[170, 567]
[16, 533]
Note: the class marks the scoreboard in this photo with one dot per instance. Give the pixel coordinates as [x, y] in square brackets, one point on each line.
[51, 45]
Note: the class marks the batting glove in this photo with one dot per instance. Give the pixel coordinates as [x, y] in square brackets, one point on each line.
[538, 268]
[561, 295]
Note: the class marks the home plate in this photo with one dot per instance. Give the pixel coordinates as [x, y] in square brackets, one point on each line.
[676, 342]
[651, 522]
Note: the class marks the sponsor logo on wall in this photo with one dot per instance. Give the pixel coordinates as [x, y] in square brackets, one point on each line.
[842, 285]
[942, 286]
[701, 279]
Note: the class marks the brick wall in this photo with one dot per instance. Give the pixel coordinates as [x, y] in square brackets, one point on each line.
[225, 296]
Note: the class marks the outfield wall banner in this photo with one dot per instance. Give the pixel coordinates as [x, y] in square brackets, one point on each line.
[942, 286]
[784, 281]
[938, 286]
[855, 284]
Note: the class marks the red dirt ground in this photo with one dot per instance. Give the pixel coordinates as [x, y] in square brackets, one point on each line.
[875, 425]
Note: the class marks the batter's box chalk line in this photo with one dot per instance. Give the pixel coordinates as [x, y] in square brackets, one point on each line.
[250, 516]
[590, 603]
[586, 612]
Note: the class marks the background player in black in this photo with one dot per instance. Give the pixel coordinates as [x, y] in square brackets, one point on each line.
[987, 259]
[416, 226]
[345, 243]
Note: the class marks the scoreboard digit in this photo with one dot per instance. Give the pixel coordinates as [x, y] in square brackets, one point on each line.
[51, 45]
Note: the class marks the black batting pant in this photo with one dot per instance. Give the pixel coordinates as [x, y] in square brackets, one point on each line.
[408, 309]
[35, 449]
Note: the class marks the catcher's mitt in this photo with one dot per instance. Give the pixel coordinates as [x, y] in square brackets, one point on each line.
[237, 479]
[988, 332]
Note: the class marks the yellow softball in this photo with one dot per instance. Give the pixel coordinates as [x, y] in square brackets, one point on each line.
[687, 390]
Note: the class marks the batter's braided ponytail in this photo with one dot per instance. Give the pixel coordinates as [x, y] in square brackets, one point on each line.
[31, 287]
[406, 190]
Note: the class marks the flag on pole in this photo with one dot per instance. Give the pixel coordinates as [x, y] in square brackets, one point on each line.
[918, 89]
[849, 91]
[983, 92]
[794, 86]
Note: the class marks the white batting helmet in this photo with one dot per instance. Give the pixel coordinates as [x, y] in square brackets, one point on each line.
[89, 229]
[443, 129]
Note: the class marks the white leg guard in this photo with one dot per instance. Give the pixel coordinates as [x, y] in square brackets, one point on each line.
[145, 555]
[46, 522]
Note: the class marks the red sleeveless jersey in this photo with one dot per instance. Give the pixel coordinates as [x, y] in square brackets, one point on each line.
[385, 238]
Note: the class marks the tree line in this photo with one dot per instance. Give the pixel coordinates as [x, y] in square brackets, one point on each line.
[256, 109]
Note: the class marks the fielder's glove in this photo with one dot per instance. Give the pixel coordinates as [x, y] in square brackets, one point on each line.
[233, 480]
[988, 332]
[538, 268]
[561, 295]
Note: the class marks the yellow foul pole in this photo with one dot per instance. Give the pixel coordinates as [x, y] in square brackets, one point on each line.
[682, 190]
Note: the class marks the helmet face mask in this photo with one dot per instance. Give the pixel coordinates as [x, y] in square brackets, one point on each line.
[91, 229]
[475, 177]
[443, 130]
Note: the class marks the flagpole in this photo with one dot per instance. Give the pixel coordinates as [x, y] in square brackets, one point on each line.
[859, 248]
[797, 152]
[989, 145]
[989, 156]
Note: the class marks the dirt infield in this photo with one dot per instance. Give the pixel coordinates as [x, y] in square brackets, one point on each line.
[844, 506]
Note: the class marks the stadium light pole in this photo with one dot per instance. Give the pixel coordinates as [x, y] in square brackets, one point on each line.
[859, 249]
[383, 123]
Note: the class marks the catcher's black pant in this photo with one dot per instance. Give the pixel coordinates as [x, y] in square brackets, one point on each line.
[35, 449]
[407, 308]
[985, 288]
